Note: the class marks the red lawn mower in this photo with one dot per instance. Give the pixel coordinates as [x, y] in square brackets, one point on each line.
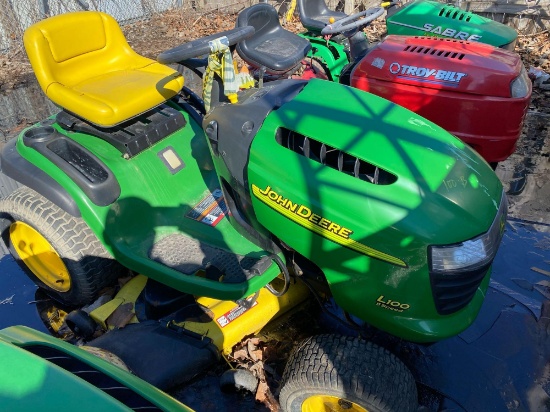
[476, 91]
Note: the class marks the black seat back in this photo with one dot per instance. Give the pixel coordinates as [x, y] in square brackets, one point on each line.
[314, 14]
[271, 46]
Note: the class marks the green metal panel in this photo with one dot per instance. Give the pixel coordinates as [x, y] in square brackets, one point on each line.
[331, 54]
[444, 193]
[153, 204]
[29, 382]
[432, 18]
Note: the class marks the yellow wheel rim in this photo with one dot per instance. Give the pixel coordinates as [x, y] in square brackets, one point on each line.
[326, 403]
[39, 256]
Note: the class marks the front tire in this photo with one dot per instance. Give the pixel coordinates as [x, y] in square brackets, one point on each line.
[57, 251]
[341, 373]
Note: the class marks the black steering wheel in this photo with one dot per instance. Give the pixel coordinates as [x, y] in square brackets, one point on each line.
[353, 21]
[201, 47]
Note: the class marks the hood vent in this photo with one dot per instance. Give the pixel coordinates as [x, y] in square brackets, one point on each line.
[432, 51]
[455, 13]
[333, 158]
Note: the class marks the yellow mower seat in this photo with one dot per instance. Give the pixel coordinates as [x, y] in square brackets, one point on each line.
[84, 64]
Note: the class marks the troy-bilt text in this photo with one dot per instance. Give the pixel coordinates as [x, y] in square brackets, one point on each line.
[426, 73]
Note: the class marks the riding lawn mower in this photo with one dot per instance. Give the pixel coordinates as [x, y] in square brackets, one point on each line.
[475, 91]
[232, 216]
[418, 18]
[434, 18]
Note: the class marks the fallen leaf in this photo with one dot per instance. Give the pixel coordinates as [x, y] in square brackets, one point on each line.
[240, 354]
[264, 395]
[261, 392]
[257, 355]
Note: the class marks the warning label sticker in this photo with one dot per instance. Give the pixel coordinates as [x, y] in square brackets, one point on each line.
[233, 314]
[210, 210]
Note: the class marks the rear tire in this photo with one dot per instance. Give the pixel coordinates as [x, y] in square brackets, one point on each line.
[320, 69]
[335, 372]
[56, 250]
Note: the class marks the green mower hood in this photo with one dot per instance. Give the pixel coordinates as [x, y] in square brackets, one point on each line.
[40, 372]
[365, 188]
[431, 18]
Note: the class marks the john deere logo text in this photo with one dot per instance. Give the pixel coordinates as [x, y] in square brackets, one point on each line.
[303, 212]
[305, 217]
[426, 74]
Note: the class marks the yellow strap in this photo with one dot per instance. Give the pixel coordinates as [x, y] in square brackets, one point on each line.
[100, 315]
[246, 81]
[128, 293]
[220, 62]
[290, 11]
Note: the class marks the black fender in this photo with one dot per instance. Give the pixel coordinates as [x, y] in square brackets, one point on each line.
[13, 165]
[7, 185]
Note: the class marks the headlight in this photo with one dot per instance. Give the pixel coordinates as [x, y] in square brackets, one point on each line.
[472, 254]
[520, 86]
[456, 271]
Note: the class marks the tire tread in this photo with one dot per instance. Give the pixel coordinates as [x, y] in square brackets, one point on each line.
[348, 367]
[89, 263]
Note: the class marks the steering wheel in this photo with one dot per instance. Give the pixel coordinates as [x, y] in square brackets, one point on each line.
[353, 22]
[201, 47]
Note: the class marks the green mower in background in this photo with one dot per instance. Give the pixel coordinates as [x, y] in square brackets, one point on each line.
[36, 368]
[249, 207]
[414, 18]
[433, 18]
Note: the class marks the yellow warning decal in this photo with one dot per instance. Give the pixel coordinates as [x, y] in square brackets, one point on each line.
[326, 228]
